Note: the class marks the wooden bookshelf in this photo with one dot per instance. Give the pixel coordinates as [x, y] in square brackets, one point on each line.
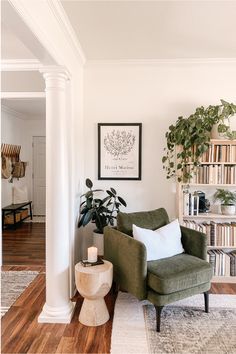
[210, 216]
[209, 189]
[207, 185]
[221, 279]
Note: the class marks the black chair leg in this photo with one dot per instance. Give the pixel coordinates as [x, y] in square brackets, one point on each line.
[158, 317]
[115, 288]
[206, 300]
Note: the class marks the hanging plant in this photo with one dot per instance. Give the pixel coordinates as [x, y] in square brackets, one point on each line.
[192, 137]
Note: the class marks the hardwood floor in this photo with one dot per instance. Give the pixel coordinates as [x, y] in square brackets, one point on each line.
[25, 245]
[22, 334]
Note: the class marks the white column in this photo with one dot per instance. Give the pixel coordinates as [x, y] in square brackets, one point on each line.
[58, 307]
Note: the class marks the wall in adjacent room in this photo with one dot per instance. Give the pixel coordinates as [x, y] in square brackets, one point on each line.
[19, 131]
[153, 94]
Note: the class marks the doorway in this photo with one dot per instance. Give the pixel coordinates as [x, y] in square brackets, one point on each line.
[39, 175]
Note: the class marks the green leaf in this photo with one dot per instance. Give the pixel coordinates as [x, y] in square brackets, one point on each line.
[89, 183]
[113, 190]
[106, 199]
[164, 158]
[110, 193]
[87, 217]
[122, 201]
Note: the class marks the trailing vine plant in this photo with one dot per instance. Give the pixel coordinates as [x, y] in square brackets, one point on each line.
[189, 138]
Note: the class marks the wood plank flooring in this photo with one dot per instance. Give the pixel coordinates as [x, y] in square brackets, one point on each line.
[22, 334]
[24, 249]
[25, 245]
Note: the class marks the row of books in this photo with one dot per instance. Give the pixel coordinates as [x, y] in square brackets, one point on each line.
[220, 153]
[224, 264]
[213, 174]
[190, 203]
[218, 234]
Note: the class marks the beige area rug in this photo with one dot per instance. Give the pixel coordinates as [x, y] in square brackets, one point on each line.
[13, 284]
[185, 327]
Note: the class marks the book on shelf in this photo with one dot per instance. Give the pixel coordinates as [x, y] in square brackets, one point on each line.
[220, 153]
[190, 203]
[86, 263]
[218, 234]
[213, 174]
[223, 264]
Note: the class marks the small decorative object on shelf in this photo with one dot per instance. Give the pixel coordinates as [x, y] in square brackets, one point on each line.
[227, 199]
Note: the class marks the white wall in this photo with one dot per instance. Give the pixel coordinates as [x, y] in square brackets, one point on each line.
[155, 95]
[19, 131]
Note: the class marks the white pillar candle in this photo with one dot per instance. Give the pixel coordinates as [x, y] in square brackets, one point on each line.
[92, 254]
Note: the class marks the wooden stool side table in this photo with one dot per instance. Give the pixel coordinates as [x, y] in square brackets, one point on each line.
[93, 283]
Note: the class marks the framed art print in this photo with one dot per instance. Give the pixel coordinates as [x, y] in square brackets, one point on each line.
[119, 151]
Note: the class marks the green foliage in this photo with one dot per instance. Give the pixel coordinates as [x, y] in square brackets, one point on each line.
[194, 131]
[226, 197]
[101, 211]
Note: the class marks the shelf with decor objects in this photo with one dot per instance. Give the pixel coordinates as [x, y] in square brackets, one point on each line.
[196, 209]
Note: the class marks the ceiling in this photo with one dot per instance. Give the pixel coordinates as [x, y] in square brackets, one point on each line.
[28, 108]
[154, 29]
[22, 81]
[11, 46]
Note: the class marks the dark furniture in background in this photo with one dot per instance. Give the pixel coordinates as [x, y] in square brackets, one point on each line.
[14, 209]
[162, 281]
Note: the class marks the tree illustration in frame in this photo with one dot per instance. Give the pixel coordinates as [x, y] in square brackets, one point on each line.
[119, 151]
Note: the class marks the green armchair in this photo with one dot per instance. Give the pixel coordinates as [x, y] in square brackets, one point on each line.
[162, 281]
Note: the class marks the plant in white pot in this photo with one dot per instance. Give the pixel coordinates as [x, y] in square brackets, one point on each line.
[100, 211]
[227, 199]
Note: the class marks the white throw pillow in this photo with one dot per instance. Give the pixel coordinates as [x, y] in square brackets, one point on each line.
[20, 195]
[161, 243]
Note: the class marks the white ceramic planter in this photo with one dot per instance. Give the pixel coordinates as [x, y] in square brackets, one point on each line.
[98, 241]
[228, 209]
[215, 134]
[231, 122]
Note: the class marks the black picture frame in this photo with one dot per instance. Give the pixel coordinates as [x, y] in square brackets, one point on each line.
[119, 151]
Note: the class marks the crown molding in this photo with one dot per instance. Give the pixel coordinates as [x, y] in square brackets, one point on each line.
[21, 115]
[156, 62]
[20, 65]
[12, 112]
[22, 95]
[57, 13]
[66, 27]
[32, 65]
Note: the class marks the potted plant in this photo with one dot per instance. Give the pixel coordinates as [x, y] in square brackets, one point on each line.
[100, 211]
[227, 199]
[192, 136]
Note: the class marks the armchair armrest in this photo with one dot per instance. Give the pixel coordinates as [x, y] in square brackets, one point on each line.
[129, 260]
[194, 242]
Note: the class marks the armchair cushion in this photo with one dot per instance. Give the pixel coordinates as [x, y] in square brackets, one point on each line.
[147, 219]
[177, 273]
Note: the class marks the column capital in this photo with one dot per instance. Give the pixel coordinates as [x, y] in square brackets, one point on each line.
[55, 71]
